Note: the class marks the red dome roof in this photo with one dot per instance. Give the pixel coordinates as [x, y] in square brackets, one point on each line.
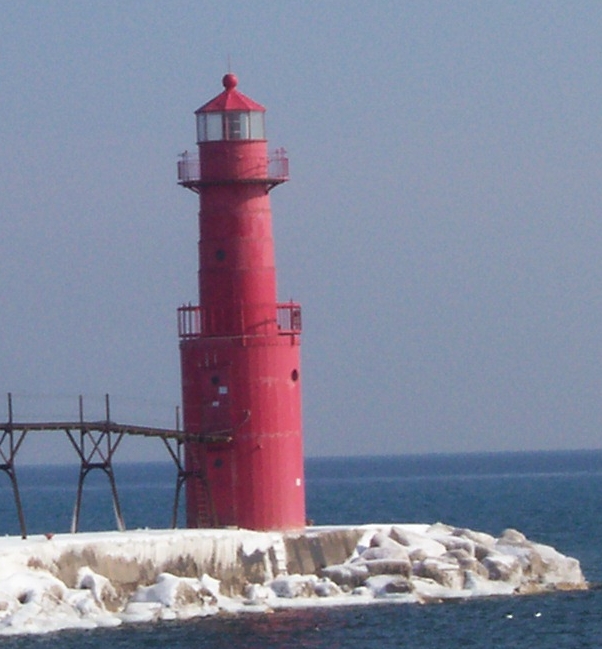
[230, 99]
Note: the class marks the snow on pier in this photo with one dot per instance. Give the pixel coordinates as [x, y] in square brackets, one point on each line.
[88, 580]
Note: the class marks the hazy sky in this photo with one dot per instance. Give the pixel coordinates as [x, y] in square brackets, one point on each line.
[441, 228]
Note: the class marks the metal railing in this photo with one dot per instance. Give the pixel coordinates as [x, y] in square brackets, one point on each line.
[278, 164]
[288, 316]
[194, 320]
[189, 168]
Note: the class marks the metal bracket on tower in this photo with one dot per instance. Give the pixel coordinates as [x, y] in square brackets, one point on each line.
[96, 449]
[9, 445]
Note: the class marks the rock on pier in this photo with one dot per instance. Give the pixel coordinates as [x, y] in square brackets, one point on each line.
[105, 578]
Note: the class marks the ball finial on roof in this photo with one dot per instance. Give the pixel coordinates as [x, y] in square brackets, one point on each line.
[229, 81]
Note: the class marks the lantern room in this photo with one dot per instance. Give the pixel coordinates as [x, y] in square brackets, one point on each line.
[230, 116]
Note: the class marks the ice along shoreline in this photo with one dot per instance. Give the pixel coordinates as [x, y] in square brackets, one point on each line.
[88, 580]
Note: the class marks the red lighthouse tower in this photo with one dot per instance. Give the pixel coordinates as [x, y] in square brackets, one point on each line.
[241, 387]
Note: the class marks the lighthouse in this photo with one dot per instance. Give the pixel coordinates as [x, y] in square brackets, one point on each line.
[239, 347]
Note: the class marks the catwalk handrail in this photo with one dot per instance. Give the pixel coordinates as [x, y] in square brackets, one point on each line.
[274, 169]
[113, 427]
[195, 320]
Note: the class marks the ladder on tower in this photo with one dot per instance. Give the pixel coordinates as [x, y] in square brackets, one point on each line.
[205, 509]
[206, 516]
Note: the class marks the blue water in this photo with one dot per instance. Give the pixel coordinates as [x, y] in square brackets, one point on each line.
[554, 498]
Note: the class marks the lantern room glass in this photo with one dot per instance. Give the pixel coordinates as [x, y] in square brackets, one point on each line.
[236, 126]
[230, 125]
[257, 122]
